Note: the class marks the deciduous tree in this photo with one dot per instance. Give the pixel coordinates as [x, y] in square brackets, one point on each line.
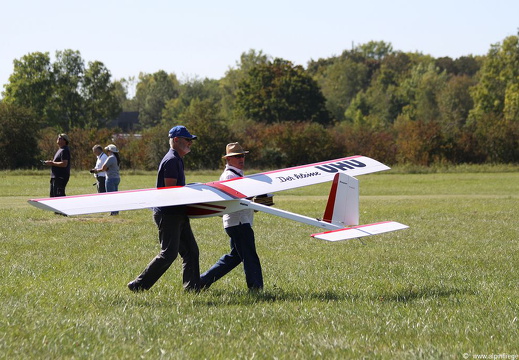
[31, 83]
[279, 91]
[202, 119]
[495, 117]
[153, 92]
[189, 91]
[63, 94]
[65, 108]
[100, 100]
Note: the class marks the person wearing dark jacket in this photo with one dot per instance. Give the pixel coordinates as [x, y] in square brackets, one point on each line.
[60, 167]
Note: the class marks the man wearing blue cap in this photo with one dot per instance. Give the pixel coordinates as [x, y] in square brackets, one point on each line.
[175, 234]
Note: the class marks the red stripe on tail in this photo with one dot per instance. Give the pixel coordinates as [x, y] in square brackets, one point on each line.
[330, 205]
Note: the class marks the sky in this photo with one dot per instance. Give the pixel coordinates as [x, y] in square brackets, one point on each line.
[200, 38]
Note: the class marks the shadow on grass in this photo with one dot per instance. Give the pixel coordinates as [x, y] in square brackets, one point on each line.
[244, 297]
[232, 297]
[422, 293]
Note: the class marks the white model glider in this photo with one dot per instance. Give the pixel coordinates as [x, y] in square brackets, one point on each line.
[341, 217]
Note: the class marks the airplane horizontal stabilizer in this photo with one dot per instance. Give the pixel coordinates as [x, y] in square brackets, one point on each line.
[360, 231]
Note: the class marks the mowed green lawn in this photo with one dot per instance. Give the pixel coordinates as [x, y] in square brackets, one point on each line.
[447, 287]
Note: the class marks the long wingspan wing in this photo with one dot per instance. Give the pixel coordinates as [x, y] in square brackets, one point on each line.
[291, 178]
[239, 188]
[131, 200]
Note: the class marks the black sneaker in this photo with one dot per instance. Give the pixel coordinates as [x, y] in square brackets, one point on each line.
[135, 286]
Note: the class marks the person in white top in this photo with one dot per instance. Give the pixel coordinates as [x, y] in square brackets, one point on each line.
[111, 168]
[238, 226]
[101, 175]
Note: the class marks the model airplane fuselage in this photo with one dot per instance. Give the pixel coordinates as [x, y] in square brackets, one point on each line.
[220, 197]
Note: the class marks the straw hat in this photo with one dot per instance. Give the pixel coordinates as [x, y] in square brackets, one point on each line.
[233, 149]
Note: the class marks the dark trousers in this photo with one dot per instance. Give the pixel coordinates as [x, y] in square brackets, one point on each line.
[176, 237]
[101, 187]
[57, 187]
[243, 249]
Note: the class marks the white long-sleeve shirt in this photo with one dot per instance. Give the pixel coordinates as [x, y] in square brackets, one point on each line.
[99, 164]
[240, 217]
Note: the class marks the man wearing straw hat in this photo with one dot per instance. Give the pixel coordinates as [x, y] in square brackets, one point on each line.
[238, 226]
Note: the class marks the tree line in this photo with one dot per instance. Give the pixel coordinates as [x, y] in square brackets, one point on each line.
[372, 100]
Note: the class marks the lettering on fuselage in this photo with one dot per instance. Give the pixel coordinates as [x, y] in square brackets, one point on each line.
[341, 165]
[298, 176]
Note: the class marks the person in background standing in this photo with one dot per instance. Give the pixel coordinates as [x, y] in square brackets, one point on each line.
[111, 167]
[60, 167]
[100, 176]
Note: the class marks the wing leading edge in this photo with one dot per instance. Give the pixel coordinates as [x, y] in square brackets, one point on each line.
[239, 188]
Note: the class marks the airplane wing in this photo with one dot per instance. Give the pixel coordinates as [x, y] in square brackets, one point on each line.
[131, 200]
[355, 232]
[238, 188]
[291, 178]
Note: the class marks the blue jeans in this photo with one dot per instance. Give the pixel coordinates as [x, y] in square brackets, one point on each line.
[112, 185]
[243, 249]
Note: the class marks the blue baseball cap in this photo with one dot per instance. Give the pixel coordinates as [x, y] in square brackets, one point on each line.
[180, 131]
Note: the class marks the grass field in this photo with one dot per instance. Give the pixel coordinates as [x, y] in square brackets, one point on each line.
[447, 287]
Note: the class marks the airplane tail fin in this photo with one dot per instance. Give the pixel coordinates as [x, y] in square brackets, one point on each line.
[342, 208]
[341, 216]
